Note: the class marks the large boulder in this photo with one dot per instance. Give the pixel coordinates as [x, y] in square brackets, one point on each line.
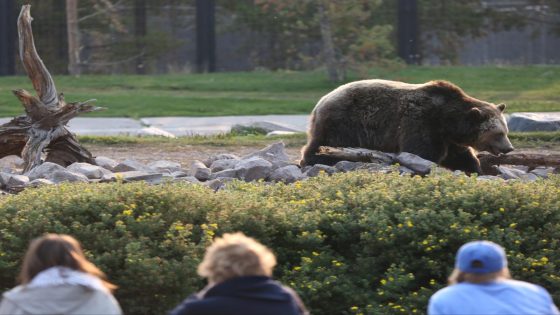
[132, 176]
[44, 170]
[106, 163]
[222, 156]
[274, 153]
[67, 176]
[90, 171]
[253, 168]
[415, 163]
[9, 180]
[534, 122]
[200, 171]
[317, 169]
[165, 166]
[220, 165]
[287, 174]
[131, 165]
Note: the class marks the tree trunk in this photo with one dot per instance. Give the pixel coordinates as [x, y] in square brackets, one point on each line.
[140, 32]
[328, 44]
[487, 161]
[43, 128]
[532, 160]
[73, 37]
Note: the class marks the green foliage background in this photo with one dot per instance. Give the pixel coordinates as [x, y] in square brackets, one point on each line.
[350, 243]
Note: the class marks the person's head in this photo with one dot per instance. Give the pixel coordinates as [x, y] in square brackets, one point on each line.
[479, 262]
[236, 255]
[57, 250]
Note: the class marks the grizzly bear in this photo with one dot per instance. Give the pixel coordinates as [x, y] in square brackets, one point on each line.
[435, 120]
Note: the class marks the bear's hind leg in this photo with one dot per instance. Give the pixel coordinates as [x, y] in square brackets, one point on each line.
[309, 156]
[462, 159]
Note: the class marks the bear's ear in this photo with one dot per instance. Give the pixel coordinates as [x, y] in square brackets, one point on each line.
[501, 107]
[475, 114]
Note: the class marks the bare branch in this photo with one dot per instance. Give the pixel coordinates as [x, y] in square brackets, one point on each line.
[34, 66]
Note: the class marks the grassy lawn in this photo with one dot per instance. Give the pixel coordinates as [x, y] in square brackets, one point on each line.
[532, 88]
[521, 140]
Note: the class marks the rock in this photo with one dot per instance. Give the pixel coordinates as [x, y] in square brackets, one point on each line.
[347, 166]
[543, 171]
[13, 180]
[274, 153]
[218, 183]
[222, 156]
[66, 176]
[287, 174]
[403, 170]
[534, 122]
[11, 162]
[3, 193]
[132, 176]
[376, 168]
[523, 168]
[317, 168]
[200, 171]
[163, 165]
[509, 172]
[529, 177]
[189, 179]
[254, 168]
[488, 178]
[225, 173]
[44, 170]
[90, 171]
[39, 182]
[106, 163]
[179, 174]
[220, 165]
[415, 163]
[131, 165]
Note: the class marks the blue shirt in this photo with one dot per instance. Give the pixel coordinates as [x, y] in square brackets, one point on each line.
[503, 297]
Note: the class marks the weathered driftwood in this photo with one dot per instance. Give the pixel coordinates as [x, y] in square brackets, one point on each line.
[532, 160]
[43, 128]
[487, 161]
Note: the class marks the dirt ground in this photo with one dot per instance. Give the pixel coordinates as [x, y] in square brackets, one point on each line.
[181, 154]
[185, 154]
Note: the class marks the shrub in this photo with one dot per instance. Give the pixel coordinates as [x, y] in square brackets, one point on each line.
[348, 244]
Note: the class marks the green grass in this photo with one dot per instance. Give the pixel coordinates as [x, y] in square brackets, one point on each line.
[521, 140]
[531, 88]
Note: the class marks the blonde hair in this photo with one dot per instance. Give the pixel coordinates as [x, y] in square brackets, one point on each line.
[236, 255]
[458, 276]
[53, 250]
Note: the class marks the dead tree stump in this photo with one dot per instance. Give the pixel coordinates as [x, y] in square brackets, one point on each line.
[43, 128]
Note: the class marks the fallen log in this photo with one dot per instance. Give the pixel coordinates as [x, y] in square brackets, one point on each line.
[487, 161]
[43, 128]
[531, 160]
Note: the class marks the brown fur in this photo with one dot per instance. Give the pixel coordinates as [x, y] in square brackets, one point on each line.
[435, 120]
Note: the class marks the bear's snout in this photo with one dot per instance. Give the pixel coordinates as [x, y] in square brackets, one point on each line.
[507, 150]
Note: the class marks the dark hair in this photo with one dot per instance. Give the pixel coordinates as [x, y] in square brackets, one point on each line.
[53, 250]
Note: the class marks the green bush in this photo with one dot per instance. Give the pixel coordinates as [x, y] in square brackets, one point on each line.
[351, 243]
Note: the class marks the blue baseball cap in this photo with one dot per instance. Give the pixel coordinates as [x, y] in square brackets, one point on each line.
[481, 257]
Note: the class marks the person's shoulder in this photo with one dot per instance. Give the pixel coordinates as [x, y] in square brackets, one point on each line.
[451, 290]
[526, 286]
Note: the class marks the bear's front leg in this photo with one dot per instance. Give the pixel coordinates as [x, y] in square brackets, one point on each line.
[461, 158]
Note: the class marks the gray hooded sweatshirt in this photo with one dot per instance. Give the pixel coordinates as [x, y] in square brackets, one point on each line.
[60, 299]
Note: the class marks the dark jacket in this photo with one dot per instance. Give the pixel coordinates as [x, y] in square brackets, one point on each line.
[252, 295]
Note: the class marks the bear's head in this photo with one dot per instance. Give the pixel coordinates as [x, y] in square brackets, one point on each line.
[468, 121]
[492, 129]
